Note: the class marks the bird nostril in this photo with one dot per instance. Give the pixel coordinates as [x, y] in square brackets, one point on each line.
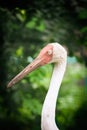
[31, 66]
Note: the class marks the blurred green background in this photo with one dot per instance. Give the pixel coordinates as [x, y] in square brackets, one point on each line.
[25, 27]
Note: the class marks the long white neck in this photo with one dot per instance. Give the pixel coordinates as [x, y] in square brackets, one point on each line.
[48, 111]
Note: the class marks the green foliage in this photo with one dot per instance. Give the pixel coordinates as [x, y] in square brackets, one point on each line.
[83, 14]
[36, 23]
[72, 95]
[30, 108]
[23, 32]
[43, 78]
[19, 51]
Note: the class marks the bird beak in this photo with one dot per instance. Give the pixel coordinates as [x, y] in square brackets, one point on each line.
[35, 64]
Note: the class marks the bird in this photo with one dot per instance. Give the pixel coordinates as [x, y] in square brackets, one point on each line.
[51, 53]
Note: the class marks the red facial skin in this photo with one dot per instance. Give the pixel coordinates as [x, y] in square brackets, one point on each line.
[44, 54]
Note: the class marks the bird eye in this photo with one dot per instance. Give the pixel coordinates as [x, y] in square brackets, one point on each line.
[49, 52]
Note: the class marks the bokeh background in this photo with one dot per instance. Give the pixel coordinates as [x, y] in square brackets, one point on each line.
[25, 27]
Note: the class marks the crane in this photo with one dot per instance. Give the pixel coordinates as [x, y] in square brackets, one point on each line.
[51, 53]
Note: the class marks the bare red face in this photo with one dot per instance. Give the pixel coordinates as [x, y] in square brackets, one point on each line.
[46, 54]
[44, 57]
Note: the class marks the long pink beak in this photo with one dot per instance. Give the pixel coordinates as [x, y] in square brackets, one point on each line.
[35, 64]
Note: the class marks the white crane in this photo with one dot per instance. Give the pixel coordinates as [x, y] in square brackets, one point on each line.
[51, 53]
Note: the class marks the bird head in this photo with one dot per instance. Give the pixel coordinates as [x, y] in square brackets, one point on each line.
[52, 52]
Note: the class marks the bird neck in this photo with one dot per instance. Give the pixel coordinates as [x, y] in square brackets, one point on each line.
[48, 111]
